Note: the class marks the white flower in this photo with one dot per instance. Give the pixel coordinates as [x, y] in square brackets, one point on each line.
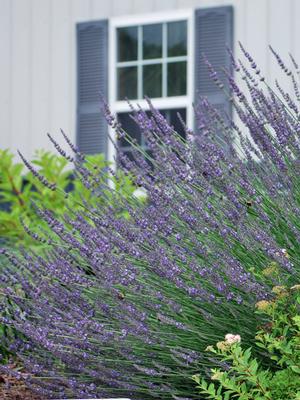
[140, 193]
[230, 338]
[282, 252]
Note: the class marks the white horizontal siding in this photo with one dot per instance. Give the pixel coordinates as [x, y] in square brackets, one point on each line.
[20, 76]
[5, 73]
[61, 115]
[38, 55]
[41, 72]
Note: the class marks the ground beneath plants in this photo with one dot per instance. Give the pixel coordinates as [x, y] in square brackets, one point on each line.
[14, 389]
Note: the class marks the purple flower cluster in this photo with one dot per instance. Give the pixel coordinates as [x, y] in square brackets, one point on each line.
[126, 305]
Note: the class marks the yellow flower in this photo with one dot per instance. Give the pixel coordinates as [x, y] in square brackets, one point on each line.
[263, 305]
[280, 291]
[271, 270]
[209, 348]
[223, 346]
[295, 287]
[217, 375]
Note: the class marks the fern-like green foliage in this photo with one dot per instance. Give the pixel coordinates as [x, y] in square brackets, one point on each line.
[243, 376]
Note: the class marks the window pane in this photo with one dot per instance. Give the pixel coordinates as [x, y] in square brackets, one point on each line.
[177, 78]
[134, 132]
[127, 83]
[130, 127]
[129, 155]
[127, 43]
[152, 80]
[150, 154]
[177, 34]
[126, 153]
[172, 118]
[152, 41]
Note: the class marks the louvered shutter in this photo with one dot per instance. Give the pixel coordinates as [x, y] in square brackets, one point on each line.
[213, 32]
[92, 77]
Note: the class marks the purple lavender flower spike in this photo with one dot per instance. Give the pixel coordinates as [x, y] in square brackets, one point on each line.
[126, 298]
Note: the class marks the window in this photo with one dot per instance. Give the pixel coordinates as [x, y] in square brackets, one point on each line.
[151, 57]
[156, 54]
[132, 129]
[152, 60]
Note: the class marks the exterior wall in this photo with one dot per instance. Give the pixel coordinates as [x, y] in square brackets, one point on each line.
[38, 55]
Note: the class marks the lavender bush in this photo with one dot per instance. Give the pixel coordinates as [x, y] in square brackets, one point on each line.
[19, 192]
[126, 305]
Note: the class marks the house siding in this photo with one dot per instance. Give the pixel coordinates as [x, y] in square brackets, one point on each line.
[38, 55]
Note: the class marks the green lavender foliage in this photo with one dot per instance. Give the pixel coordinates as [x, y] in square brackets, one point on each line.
[20, 189]
[243, 376]
[160, 362]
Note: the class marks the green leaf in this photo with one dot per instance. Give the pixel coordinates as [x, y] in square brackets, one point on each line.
[211, 389]
[261, 345]
[253, 367]
[296, 319]
[295, 368]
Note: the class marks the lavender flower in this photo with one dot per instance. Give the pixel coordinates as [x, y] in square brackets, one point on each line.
[126, 305]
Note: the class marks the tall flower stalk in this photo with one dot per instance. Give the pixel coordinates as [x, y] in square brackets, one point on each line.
[125, 305]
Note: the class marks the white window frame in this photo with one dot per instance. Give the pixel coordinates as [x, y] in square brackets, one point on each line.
[186, 101]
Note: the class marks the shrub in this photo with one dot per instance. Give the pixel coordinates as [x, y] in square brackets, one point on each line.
[127, 305]
[19, 191]
[243, 376]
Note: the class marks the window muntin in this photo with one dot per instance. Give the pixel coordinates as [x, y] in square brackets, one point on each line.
[151, 57]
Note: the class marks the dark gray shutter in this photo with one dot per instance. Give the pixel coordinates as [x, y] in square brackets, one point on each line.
[92, 77]
[213, 32]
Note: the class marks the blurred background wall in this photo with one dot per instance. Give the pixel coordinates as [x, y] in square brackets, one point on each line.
[38, 54]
